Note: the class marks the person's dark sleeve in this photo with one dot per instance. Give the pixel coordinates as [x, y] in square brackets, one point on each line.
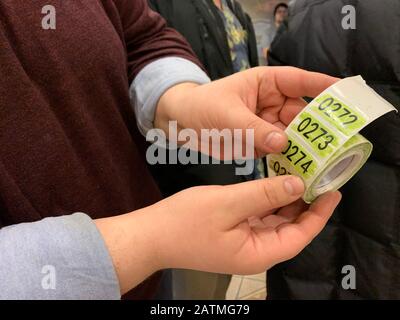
[153, 4]
[281, 48]
[148, 38]
[252, 42]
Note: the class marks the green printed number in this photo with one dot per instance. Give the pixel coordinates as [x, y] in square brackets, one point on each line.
[314, 132]
[298, 157]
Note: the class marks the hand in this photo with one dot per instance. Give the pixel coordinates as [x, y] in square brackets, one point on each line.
[241, 229]
[265, 99]
[237, 229]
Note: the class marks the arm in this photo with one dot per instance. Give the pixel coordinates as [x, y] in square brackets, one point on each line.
[56, 258]
[151, 239]
[148, 38]
[217, 233]
[212, 229]
[205, 228]
[276, 92]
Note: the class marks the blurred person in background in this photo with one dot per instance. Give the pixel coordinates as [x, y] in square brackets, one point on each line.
[364, 232]
[281, 12]
[222, 36]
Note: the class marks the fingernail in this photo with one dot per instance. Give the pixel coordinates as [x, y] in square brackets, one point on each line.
[294, 185]
[275, 141]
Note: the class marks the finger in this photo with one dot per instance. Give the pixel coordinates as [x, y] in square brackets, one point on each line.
[295, 83]
[295, 236]
[286, 214]
[255, 222]
[291, 108]
[267, 137]
[273, 221]
[294, 210]
[279, 125]
[257, 198]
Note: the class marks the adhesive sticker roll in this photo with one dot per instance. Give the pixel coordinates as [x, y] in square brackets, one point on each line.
[324, 147]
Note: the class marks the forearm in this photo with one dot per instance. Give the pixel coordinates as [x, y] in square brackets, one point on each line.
[131, 240]
[100, 259]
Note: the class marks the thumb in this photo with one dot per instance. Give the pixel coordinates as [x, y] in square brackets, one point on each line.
[267, 137]
[259, 197]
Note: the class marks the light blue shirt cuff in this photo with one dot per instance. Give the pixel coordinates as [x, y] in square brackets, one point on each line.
[56, 258]
[156, 78]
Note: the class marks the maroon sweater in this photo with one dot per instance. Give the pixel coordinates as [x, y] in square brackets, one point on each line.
[68, 135]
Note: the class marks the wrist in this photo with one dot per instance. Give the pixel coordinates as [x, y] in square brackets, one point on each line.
[130, 242]
[174, 106]
[144, 229]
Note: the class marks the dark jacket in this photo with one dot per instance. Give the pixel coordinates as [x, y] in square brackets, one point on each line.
[365, 230]
[201, 24]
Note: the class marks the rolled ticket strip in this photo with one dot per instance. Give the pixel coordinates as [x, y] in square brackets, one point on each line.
[324, 146]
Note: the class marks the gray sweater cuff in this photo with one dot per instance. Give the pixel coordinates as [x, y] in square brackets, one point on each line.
[156, 78]
[56, 258]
